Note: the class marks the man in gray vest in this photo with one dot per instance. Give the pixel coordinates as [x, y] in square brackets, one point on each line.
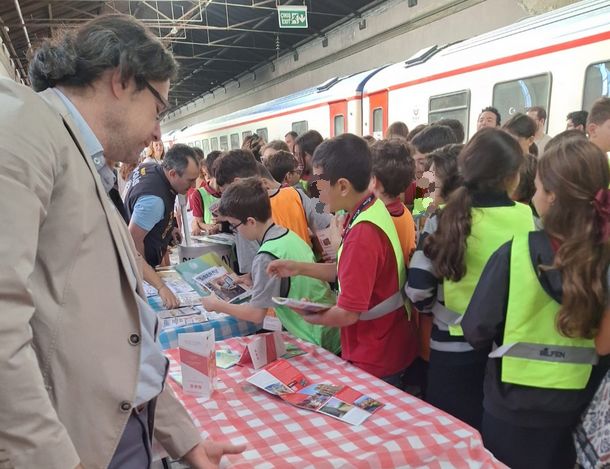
[82, 380]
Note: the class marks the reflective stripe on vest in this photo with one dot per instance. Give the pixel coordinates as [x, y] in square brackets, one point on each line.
[535, 354]
[292, 247]
[491, 227]
[378, 215]
[208, 200]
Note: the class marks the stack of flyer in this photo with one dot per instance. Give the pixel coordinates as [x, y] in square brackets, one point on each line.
[209, 274]
[190, 281]
[282, 379]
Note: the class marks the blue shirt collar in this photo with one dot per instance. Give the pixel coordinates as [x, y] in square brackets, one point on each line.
[90, 144]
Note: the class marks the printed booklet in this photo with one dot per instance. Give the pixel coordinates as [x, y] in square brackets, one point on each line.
[282, 379]
[219, 281]
[307, 306]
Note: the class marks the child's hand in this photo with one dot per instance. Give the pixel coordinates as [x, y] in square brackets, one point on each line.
[282, 268]
[245, 280]
[210, 302]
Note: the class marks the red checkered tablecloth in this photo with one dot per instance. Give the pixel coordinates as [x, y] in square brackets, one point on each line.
[406, 432]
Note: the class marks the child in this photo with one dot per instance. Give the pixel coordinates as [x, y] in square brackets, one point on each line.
[283, 167]
[370, 267]
[204, 197]
[544, 293]
[478, 217]
[287, 206]
[523, 128]
[393, 170]
[444, 179]
[426, 141]
[245, 204]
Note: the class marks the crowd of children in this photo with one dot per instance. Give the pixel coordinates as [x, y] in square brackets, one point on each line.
[472, 275]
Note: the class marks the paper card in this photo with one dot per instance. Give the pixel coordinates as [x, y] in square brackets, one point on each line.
[265, 349]
[198, 362]
[271, 323]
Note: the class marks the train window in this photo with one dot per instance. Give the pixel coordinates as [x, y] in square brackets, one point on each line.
[378, 120]
[205, 146]
[515, 96]
[214, 143]
[450, 106]
[234, 141]
[197, 143]
[245, 134]
[339, 124]
[596, 83]
[224, 143]
[262, 133]
[300, 127]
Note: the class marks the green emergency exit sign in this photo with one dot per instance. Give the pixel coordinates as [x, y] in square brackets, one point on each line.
[292, 16]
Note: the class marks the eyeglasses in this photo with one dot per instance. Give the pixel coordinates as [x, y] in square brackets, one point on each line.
[234, 227]
[165, 105]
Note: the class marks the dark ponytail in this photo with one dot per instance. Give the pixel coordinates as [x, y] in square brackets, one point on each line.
[77, 58]
[487, 163]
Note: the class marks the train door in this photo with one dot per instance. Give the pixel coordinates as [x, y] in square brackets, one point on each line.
[378, 120]
[338, 117]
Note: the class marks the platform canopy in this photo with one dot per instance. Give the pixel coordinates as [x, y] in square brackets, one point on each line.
[215, 41]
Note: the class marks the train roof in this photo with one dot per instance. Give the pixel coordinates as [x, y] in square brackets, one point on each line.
[333, 89]
[580, 20]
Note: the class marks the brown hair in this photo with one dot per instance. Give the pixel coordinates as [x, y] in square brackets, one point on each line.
[397, 129]
[526, 188]
[280, 164]
[393, 165]
[446, 170]
[575, 170]
[246, 198]
[600, 111]
[277, 145]
[486, 163]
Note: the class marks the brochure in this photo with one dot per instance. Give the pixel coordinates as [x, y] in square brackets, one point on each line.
[182, 316]
[198, 362]
[282, 379]
[264, 349]
[181, 289]
[219, 281]
[329, 241]
[307, 306]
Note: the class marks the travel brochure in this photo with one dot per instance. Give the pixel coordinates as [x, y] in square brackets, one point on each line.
[198, 362]
[285, 381]
[190, 281]
[264, 349]
[219, 281]
[300, 305]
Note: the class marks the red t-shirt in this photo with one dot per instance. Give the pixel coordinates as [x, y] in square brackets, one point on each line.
[195, 202]
[367, 275]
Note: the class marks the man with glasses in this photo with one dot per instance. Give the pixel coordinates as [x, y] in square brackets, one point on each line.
[81, 376]
[150, 198]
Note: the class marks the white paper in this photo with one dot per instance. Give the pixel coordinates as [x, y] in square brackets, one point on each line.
[198, 362]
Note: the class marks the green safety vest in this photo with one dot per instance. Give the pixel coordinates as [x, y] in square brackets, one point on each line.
[291, 247]
[378, 215]
[208, 200]
[421, 205]
[534, 353]
[491, 228]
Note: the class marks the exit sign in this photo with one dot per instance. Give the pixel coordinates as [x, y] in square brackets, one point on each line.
[292, 16]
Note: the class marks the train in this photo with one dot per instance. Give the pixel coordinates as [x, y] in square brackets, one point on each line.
[558, 60]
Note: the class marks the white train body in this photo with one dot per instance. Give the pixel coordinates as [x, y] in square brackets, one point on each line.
[559, 60]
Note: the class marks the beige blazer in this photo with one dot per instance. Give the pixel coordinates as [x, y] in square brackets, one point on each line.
[67, 299]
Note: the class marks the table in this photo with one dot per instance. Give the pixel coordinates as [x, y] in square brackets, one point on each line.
[406, 432]
[224, 328]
